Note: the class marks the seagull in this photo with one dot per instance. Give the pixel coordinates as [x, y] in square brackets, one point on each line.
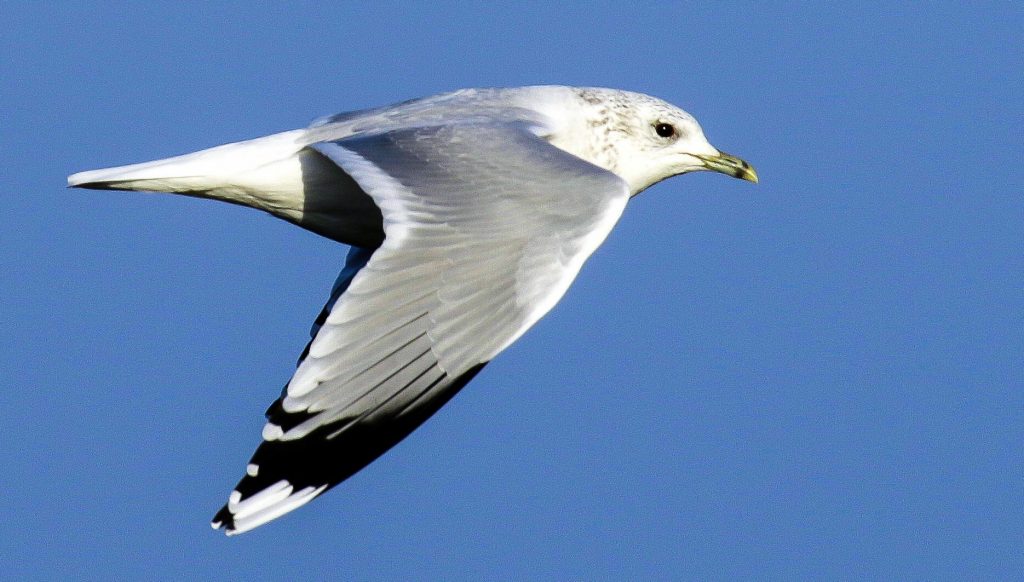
[468, 215]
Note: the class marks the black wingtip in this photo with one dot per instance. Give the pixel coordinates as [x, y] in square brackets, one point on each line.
[320, 462]
[223, 520]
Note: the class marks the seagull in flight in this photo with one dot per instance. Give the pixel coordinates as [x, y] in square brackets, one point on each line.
[468, 215]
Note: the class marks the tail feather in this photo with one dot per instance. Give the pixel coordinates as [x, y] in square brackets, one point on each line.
[277, 174]
[264, 164]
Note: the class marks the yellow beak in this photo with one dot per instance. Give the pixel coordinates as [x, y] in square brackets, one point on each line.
[730, 165]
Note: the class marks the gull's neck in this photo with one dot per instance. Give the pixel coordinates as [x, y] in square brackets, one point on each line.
[589, 124]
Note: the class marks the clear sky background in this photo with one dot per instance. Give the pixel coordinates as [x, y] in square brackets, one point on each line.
[816, 377]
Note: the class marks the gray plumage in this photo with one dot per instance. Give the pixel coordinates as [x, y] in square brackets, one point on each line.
[470, 213]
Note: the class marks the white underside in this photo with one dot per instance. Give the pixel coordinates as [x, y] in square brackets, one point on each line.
[545, 299]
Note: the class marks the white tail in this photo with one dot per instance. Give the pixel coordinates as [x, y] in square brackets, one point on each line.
[245, 172]
[277, 174]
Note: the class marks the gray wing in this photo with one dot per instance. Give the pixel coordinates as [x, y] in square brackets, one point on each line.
[486, 225]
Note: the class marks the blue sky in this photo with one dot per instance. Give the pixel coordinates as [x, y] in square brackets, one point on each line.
[815, 377]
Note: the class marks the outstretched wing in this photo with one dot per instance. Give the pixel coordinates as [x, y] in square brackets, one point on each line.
[486, 225]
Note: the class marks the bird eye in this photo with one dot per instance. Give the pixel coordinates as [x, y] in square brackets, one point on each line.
[665, 130]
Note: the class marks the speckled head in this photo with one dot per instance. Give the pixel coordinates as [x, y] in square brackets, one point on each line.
[645, 140]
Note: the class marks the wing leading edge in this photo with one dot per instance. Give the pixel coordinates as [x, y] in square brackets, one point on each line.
[486, 225]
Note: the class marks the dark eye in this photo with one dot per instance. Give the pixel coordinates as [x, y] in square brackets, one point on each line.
[664, 130]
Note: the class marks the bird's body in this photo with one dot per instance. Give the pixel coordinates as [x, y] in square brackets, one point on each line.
[469, 213]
